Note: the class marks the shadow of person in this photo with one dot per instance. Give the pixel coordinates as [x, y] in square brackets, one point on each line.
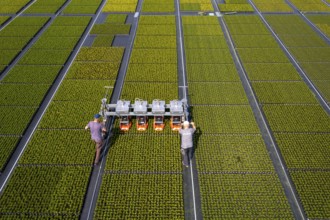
[110, 140]
[198, 133]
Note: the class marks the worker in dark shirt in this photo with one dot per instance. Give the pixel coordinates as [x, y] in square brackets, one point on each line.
[96, 128]
[187, 141]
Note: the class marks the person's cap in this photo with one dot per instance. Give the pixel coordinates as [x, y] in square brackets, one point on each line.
[186, 123]
[97, 116]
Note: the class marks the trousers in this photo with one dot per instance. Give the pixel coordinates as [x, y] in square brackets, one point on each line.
[186, 155]
[98, 148]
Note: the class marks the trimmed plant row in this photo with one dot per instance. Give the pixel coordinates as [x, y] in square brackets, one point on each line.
[229, 147]
[272, 6]
[311, 6]
[12, 7]
[144, 169]
[300, 125]
[27, 83]
[45, 182]
[307, 47]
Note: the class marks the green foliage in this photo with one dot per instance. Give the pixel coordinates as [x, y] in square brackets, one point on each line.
[72, 21]
[3, 19]
[113, 54]
[22, 94]
[283, 93]
[236, 8]
[322, 22]
[82, 90]
[45, 57]
[103, 41]
[166, 7]
[154, 56]
[247, 29]
[29, 21]
[262, 55]
[311, 6]
[69, 114]
[155, 42]
[24, 31]
[305, 150]
[157, 20]
[317, 71]
[64, 31]
[204, 42]
[150, 196]
[149, 91]
[254, 41]
[152, 73]
[7, 144]
[196, 5]
[225, 119]
[156, 30]
[120, 6]
[56, 43]
[59, 147]
[12, 7]
[72, 9]
[203, 30]
[232, 153]
[211, 72]
[272, 6]
[297, 118]
[313, 188]
[97, 70]
[14, 43]
[204, 20]
[271, 71]
[155, 147]
[13, 119]
[7, 56]
[217, 93]
[311, 54]
[243, 196]
[116, 18]
[208, 56]
[45, 6]
[37, 190]
[32, 74]
[111, 29]
[242, 19]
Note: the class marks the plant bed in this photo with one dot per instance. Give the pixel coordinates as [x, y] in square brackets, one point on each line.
[22, 94]
[217, 93]
[7, 144]
[211, 73]
[45, 57]
[32, 74]
[152, 73]
[231, 153]
[271, 71]
[91, 71]
[225, 119]
[149, 195]
[308, 151]
[283, 92]
[60, 147]
[37, 191]
[13, 120]
[57, 114]
[82, 90]
[297, 118]
[149, 92]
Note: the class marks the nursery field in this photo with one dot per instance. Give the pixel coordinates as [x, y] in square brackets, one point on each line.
[256, 77]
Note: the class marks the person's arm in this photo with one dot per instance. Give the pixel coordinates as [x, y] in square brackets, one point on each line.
[87, 127]
[193, 125]
[104, 129]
